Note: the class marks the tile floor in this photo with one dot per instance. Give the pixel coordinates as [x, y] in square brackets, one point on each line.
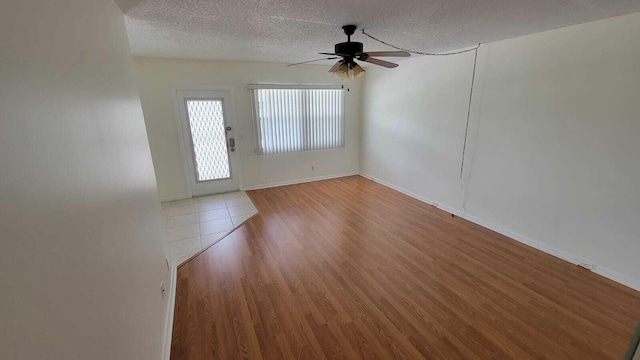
[194, 224]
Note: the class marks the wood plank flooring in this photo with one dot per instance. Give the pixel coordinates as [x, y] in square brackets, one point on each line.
[349, 269]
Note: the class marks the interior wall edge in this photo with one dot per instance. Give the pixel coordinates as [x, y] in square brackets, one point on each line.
[168, 331]
[548, 249]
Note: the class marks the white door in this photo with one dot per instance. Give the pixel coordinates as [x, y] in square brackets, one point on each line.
[207, 129]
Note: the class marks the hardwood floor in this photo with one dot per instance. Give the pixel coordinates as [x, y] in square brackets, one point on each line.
[349, 269]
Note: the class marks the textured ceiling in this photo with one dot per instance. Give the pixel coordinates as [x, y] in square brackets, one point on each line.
[296, 30]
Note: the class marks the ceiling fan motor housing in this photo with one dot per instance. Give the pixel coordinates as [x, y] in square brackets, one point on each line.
[352, 49]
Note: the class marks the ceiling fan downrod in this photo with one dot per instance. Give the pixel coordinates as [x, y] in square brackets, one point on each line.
[350, 49]
[349, 30]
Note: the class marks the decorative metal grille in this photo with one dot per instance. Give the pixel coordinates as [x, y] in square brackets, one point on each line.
[206, 121]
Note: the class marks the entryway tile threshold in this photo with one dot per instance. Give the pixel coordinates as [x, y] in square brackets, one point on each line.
[185, 259]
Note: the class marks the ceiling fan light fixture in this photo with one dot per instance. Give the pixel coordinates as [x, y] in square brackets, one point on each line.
[356, 71]
[342, 72]
[350, 72]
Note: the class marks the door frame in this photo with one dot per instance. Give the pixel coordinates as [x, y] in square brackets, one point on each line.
[184, 151]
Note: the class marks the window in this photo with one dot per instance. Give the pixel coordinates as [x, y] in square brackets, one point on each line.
[298, 119]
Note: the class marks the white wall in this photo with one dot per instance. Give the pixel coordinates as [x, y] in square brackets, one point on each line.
[554, 142]
[81, 247]
[155, 78]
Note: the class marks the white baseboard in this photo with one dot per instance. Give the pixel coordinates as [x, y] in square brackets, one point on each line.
[564, 255]
[298, 181]
[279, 183]
[168, 331]
[617, 277]
[174, 198]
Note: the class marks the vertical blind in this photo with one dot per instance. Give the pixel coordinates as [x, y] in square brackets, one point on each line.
[290, 120]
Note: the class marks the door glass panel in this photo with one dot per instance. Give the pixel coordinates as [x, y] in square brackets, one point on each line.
[206, 122]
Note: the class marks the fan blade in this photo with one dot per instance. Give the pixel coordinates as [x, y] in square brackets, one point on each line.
[333, 54]
[304, 62]
[388, 53]
[335, 66]
[386, 64]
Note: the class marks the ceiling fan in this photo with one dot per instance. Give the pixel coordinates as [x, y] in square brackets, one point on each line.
[348, 52]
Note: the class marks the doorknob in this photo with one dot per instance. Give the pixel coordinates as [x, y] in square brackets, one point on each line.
[232, 144]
